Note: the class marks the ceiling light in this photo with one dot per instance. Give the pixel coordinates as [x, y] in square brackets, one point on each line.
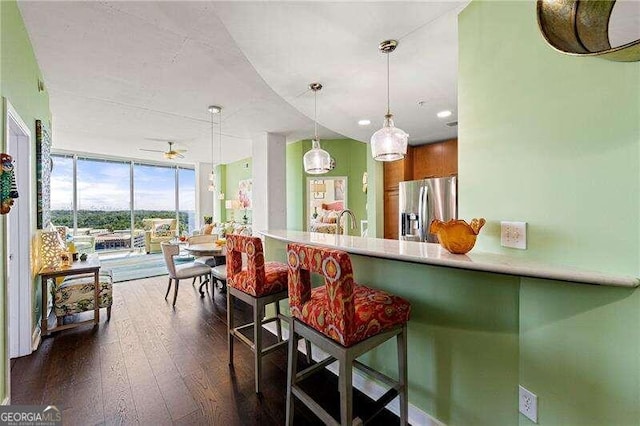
[215, 109]
[364, 122]
[444, 114]
[390, 142]
[316, 161]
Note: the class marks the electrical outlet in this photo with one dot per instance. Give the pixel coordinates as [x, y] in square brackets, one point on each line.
[513, 234]
[528, 404]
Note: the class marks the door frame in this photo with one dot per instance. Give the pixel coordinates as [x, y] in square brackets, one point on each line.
[15, 125]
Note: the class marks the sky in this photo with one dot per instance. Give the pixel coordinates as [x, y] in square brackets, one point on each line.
[104, 185]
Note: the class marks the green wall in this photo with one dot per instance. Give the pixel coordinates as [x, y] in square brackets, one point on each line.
[554, 140]
[351, 161]
[19, 75]
[548, 139]
[235, 172]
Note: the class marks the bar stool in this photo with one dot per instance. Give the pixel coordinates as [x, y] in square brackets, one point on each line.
[258, 284]
[345, 320]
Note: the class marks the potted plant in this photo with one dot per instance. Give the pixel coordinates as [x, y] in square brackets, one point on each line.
[208, 225]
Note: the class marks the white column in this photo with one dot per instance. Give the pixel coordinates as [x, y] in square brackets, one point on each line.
[269, 193]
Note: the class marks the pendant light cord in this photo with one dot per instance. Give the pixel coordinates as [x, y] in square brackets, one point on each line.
[211, 113]
[220, 139]
[315, 113]
[388, 107]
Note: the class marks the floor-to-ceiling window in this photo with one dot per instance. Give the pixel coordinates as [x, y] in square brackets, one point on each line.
[62, 190]
[113, 197]
[104, 204]
[186, 200]
[154, 193]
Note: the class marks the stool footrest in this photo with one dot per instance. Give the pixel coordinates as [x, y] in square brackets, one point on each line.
[314, 368]
[315, 408]
[236, 333]
[375, 374]
[383, 401]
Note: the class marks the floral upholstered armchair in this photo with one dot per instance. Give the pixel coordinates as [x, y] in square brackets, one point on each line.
[158, 231]
[76, 294]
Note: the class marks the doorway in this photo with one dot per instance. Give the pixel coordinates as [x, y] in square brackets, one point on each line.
[18, 238]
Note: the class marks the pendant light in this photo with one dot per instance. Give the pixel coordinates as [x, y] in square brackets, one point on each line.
[220, 194]
[390, 142]
[213, 109]
[316, 161]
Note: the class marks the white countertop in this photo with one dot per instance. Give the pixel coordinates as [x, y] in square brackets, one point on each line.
[434, 254]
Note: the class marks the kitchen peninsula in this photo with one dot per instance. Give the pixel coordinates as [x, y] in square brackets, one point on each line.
[481, 321]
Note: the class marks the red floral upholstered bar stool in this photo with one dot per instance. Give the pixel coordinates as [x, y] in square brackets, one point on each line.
[345, 320]
[257, 284]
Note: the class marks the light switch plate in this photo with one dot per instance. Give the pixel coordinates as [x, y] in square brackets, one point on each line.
[528, 404]
[513, 234]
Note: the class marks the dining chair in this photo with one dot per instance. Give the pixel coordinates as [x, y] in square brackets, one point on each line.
[182, 271]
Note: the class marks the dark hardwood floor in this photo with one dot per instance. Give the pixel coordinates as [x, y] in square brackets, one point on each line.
[154, 365]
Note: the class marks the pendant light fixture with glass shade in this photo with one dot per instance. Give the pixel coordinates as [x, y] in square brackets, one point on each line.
[316, 161]
[390, 142]
[213, 109]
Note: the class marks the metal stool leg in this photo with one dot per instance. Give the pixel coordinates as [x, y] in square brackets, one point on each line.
[292, 364]
[278, 321]
[308, 346]
[257, 341]
[401, 340]
[230, 326]
[346, 389]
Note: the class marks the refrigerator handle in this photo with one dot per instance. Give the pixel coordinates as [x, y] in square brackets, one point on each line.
[422, 213]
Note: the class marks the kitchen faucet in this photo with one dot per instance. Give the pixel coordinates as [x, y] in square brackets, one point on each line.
[338, 220]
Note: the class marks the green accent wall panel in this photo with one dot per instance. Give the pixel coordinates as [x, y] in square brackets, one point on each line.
[19, 75]
[548, 139]
[234, 173]
[351, 161]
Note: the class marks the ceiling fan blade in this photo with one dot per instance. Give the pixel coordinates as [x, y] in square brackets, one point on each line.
[150, 150]
[179, 155]
[180, 150]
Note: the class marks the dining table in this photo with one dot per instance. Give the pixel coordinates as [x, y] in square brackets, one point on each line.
[213, 249]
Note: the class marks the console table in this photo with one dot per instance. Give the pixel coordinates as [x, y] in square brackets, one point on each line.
[90, 266]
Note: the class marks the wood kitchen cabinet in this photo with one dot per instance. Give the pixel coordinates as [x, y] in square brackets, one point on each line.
[437, 159]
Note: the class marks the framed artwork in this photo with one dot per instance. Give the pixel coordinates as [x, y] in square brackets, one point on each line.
[244, 193]
[43, 174]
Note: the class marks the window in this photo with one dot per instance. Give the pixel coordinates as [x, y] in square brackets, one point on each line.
[62, 190]
[187, 200]
[104, 191]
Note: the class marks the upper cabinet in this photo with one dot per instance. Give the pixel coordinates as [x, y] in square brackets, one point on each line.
[435, 159]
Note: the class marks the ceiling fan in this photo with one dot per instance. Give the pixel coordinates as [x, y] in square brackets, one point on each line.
[169, 154]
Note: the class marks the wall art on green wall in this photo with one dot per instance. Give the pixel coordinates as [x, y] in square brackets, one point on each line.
[43, 173]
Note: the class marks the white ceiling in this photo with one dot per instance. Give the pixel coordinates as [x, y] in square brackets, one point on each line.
[120, 72]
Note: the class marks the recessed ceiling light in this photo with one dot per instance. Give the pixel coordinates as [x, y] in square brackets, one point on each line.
[364, 122]
[444, 114]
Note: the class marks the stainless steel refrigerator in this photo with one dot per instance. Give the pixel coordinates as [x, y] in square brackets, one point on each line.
[423, 200]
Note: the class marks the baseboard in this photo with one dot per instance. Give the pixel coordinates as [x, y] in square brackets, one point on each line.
[364, 384]
[35, 339]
